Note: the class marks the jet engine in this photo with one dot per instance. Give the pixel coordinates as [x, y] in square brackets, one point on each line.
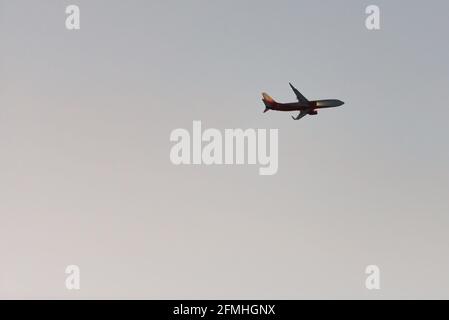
[313, 112]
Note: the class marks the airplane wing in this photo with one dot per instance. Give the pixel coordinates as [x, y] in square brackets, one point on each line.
[300, 97]
[302, 114]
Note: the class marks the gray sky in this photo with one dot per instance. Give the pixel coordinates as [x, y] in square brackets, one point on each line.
[86, 178]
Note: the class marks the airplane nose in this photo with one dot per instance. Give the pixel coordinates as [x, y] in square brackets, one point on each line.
[340, 103]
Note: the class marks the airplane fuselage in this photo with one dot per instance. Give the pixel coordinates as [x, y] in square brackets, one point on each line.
[312, 105]
[304, 106]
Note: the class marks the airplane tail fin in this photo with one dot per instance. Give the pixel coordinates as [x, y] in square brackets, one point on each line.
[268, 101]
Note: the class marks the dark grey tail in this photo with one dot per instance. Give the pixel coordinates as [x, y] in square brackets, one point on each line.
[267, 105]
[268, 102]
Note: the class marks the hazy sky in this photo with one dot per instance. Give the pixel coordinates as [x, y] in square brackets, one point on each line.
[86, 179]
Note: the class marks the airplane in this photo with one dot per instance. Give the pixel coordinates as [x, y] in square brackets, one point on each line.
[303, 105]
